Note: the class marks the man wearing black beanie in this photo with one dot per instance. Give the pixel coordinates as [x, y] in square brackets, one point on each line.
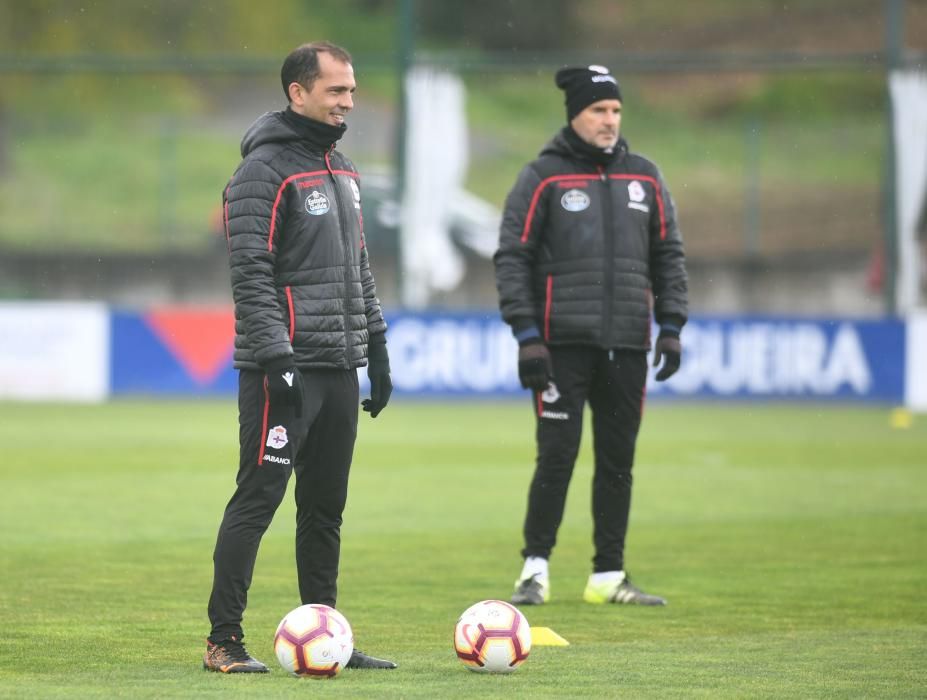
[588, 249]
[583, 86]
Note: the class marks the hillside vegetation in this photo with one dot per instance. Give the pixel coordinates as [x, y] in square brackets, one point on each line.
[135, 160]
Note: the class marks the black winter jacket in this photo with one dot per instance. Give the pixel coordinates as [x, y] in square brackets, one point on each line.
[301, 281]
[585, 250]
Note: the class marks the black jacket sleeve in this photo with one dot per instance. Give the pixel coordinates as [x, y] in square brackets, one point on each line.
[669, 280]
[250, 202]
[520, 237]
[375, 322]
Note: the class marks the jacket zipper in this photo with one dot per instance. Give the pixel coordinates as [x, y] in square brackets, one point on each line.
[346, 253]
[608, 259]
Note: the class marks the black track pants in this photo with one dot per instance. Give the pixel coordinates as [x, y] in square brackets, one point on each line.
[614, 384]
[274, 443]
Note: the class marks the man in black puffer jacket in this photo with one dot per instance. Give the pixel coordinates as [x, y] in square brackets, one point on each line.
[588, 249]
[306, 317]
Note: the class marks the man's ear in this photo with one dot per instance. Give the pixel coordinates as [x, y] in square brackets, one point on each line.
[295, 91]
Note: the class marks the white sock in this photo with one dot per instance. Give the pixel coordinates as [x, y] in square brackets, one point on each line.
[534, 566]
[606, 577]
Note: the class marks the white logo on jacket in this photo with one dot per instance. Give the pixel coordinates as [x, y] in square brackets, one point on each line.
[574, 200]
[355, 190]
[637, 195]
[317, 203]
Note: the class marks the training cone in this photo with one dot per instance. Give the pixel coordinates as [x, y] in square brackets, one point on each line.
[546, 637]
[901, 418]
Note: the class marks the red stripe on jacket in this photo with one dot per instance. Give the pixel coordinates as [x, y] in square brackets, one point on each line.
[291, 178]
[263, 443]
[289, 303]
[525, 233]
[537, 194]
[657, 192]
[273, 212]
[547, 306]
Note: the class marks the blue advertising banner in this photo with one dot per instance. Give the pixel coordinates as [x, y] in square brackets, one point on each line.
[472, 354]
[172, 352]
[743, 358]
[452, 354]
[786, 358]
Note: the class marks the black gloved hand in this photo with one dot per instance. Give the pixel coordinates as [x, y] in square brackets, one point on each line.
[669, 349]
[381, 386]
[535, 369]
[284, 385]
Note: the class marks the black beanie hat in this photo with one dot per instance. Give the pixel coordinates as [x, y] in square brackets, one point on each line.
[583, 86]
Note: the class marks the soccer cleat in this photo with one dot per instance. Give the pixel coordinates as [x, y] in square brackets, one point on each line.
[619, 591]
[533, 590]
[230, 656]
[361, 660]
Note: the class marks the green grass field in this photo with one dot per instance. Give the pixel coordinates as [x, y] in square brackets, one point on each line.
[789, 541]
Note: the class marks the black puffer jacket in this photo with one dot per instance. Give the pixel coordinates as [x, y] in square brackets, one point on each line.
[300, 276]
[583, 247]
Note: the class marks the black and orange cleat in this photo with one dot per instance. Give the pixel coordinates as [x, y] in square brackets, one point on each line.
[230, 656]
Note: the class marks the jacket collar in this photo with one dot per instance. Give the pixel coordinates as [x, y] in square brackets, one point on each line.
[319, 135]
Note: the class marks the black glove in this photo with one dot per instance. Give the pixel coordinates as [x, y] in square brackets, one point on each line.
[381, 386]
[669, 349]
[535, 369]
[284, 385]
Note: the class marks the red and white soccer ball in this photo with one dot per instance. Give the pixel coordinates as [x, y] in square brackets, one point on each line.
[492, 637]
[314, 641]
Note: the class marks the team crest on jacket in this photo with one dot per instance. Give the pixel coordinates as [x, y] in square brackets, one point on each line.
[637, 195]
[276, 437]
[317, 203]
[574, 200]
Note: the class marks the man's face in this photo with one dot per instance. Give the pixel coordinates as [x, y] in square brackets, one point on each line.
[599, 124]
[332, 93]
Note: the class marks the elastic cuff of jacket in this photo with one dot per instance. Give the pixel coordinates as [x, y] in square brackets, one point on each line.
[670, 330]
[279, 363]
[676, 320]
[377, 339]
[527, 335]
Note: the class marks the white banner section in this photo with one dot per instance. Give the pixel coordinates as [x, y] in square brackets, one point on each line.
[436, 162]
[916, 362]
[909, 105]
[55, 351]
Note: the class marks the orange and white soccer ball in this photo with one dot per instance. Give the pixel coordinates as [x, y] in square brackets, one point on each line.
[492, 637]
[315, 641]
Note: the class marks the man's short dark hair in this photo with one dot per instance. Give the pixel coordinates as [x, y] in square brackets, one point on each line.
[302, 65]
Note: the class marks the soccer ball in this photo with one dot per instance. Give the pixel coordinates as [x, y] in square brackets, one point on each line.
[492, 637]
[315, 641]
